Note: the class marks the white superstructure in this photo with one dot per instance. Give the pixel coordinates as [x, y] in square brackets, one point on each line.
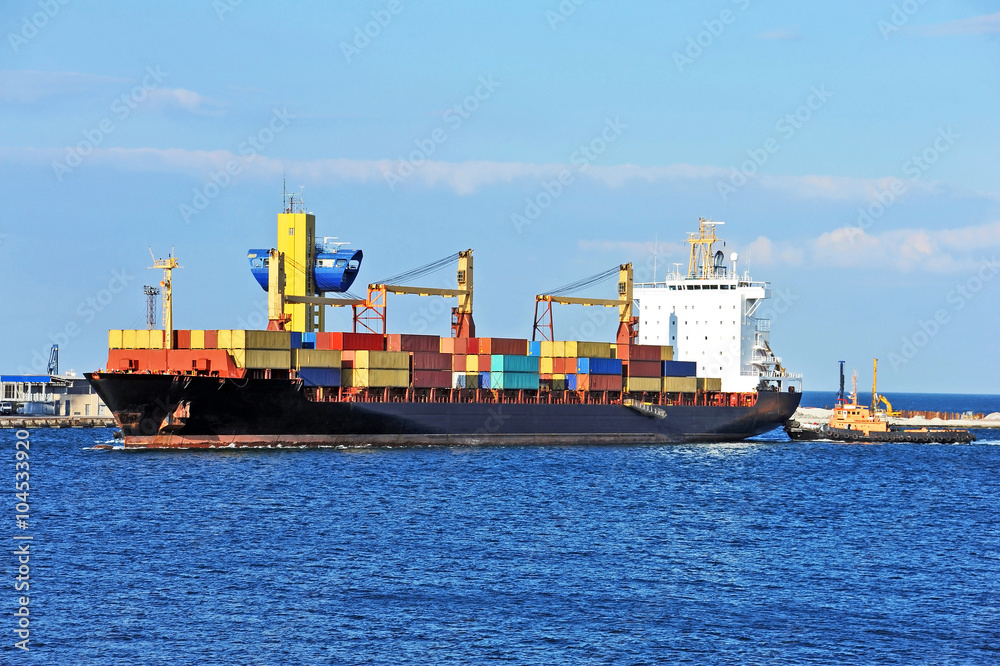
[707, 315]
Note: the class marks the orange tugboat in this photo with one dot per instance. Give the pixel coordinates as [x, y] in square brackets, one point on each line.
[851, 422]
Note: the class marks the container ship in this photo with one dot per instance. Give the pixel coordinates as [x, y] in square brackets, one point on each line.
[690, 362]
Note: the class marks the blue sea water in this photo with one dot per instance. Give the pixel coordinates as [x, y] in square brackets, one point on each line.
[757, 552]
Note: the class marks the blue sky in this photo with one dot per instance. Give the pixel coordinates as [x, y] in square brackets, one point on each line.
[850, 147]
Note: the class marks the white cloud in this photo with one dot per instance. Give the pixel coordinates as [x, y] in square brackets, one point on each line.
[904, 250]
[186, 100]
[781, 34]
[977, 25]
[27, 86]
[463, 178]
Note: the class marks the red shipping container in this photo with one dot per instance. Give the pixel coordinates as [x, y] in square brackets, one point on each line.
[638, 353]
[508, 346]
[182, 339]
[413, 343]
[350, 341]
[448, 346]
[471, 346]
[598, 383]
[431, 361]
[211, 339]
[638, 368]
[369, 341]
[202, 360]
[346, 357]
[485, 362]
[432, 379]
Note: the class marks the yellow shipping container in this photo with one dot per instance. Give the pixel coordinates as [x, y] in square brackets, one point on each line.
[680, 384]
[375, 377]
[142, 339]
[547, 349]
[260, 359]
[383, 360]
[709, 383]
[650, 384]
[316, 358]
[545, 365]
[666, 353]
[559, 348]
[197, 339]
[128, 340]
[225, 339]
[156, 338]
[115, 339]
[587, 349]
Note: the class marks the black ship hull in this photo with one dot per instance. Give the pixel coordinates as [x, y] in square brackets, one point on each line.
[825, 433]
[167, 411]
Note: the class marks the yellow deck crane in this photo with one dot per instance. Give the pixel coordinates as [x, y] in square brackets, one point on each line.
[876, 398]
[371, 315]
[278, 301]
[626, 321]
[167, 265]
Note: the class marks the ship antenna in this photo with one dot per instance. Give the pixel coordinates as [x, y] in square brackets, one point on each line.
[656, 247]
[840, 395]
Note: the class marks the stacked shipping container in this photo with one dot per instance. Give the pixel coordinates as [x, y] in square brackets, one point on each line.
[367, 360]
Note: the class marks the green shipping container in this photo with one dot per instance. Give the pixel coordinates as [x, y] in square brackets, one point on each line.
[514, 380]
[382, 360]
[508, 363]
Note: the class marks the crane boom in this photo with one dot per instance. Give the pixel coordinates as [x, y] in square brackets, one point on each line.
[371, 314]
[626, 320]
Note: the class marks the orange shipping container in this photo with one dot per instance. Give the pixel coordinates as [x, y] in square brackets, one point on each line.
[448, 346]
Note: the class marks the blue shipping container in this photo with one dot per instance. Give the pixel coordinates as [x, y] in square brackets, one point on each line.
[534, 348]
[599, 366]
[320, 376]
[508, 363]
[680, 368]
[296, 340]
[309, 337]
[570, 382]
[484, 380]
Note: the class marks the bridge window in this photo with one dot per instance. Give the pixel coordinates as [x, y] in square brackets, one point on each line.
[353, 265]
[257, 263]
[341, 263]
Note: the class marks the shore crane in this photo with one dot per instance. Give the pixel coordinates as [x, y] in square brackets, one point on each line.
[626, 320]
